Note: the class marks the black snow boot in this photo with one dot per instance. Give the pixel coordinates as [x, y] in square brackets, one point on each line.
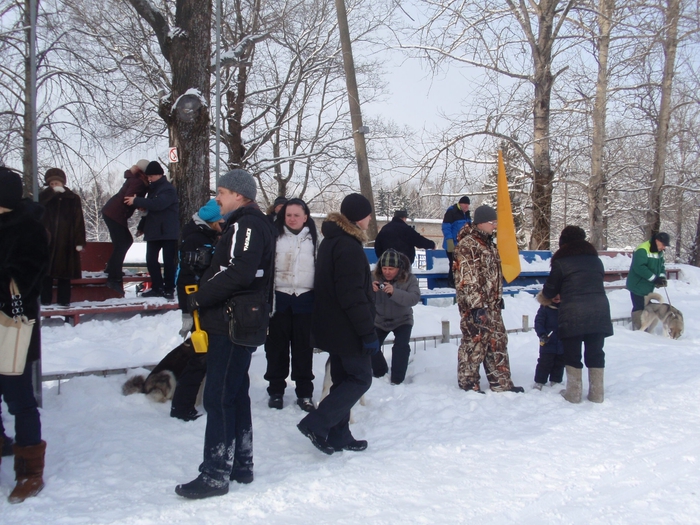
[198, 488]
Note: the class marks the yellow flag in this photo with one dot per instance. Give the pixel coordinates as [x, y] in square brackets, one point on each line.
[507, 243]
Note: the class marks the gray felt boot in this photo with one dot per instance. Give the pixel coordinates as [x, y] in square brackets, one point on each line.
[595, 385]
[573, 385]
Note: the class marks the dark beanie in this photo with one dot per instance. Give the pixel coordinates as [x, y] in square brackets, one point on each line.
[464, 200]
[355, 207]
[55, 174]
[571, 234]
[10, 188]
[484, 213]
[154, 168]
[239, 181]
[401, 214]
[280, 200]
[663, 237]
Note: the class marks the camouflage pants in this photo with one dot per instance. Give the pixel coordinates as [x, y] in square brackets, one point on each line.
[483, 343]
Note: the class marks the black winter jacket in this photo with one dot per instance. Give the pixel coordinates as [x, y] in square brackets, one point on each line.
[402, 238]
[24, 257]
[577, 276]
[162, 222]
[242, 260]
[546, 322]
[344, 310]
[195, 234]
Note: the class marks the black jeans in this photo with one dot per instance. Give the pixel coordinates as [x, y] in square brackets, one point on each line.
[593, 355]
[188, 385]
[121, 242]
[165, 282]
[352, 377]
[550, 366]
[229, 433]
[400, 352]
[288, 328]
[18, 394]
[62, 291]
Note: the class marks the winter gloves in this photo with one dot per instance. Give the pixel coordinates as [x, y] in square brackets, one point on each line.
[371, 347]
[479, 315]
[660, 282]
[450, 245]
[187, 324]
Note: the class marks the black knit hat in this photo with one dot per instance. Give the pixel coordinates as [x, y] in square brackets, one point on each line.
[663, 237]
[11, 188]
[484, 213]
[401, 214]
[464, 200]
[154, 168]
[355, 207]
[280, 200]
[571, 234]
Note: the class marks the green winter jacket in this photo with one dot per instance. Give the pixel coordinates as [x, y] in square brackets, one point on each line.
[646, 266]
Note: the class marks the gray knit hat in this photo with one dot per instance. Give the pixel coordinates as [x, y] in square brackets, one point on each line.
[240, 181]
[484, 213]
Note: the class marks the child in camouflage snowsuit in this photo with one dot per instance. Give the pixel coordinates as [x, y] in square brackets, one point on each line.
[479, 286]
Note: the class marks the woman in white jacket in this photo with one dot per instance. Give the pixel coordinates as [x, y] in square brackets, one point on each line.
[290, 326]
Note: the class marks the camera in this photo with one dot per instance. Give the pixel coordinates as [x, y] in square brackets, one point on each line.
[199, 259]
[381, 286]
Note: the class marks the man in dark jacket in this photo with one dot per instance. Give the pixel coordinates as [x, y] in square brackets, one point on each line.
[116, 214]
[648, 270]
[343, 324]
[401, 237]
[243, 260]
[161, 230]
[454, 220]
[24, 258]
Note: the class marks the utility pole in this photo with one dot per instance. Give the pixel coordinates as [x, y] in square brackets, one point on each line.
[358, 129]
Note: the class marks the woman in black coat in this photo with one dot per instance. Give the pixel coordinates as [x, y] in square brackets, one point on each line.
[584, 312]
[24, 258]
[343, 324]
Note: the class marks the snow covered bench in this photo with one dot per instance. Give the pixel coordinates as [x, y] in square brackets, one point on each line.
[73, 313]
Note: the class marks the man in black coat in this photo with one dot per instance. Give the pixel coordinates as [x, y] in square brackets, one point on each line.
[243, 261]
[401, 237]
[343, 324]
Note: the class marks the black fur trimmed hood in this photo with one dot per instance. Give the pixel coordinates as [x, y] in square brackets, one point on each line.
[345, 224]
[573, 249]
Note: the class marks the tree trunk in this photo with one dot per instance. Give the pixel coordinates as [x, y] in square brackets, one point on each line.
[188, 51]
[356, 114]
[670, 44]
[597, 185]
[694, 256]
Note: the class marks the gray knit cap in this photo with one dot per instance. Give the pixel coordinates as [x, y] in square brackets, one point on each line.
[240, 181]
[483, 214]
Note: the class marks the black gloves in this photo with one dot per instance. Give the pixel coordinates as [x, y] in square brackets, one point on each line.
[479, 315]
[371, 347]
[660, 282]
[544, 338]
[192, 303]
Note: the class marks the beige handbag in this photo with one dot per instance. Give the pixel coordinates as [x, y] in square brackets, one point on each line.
[15, 334]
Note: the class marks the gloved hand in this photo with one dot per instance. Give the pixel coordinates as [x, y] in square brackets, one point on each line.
[450, 245]
[192, 303]
[660, 282]
[372, 347]
[479, 315]
[544, 338]
[187, 324]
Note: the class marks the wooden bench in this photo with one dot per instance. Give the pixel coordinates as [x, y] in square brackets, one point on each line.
[72, 314]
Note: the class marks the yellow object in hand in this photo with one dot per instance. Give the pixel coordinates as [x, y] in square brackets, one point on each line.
[200, 339]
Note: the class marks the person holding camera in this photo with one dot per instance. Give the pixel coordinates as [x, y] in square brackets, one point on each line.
[199, 236]
[396, 293]
[648, 271]
[290, 326]
[241, 264]
[550, 364]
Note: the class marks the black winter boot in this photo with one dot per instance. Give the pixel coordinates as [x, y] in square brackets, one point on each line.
[199, 488]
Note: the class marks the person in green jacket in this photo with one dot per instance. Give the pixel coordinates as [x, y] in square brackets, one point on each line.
[647, 272]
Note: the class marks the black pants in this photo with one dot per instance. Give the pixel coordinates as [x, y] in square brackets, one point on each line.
[290, 329]
[637, 302]
[352, 377]
[165, 282]
[450, 273]
[188, 385]
[593, 355]
[400, 353]
[62, 291]
[550, 366]
[121, 242]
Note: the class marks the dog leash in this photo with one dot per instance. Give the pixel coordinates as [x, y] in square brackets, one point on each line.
[667, 297]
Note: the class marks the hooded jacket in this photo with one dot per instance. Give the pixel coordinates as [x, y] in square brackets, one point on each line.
[646, 266]
[577, 276]
[162, 222]
[344, 309]
[24, 257]
[453, 222]
[243, 260]
[115, 208]
[396, 310]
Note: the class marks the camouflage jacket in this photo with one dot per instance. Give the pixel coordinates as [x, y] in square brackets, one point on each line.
[477, 270]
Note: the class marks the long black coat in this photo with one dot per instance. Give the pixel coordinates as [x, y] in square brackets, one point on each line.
[344, 310]
[64, 221]
[577, 276]
[162, 222]
[402, 238]
[24, 257]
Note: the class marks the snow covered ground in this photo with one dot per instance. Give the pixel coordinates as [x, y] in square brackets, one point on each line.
[436, 454]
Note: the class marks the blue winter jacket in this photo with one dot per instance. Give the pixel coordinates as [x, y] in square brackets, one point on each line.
[546, 321]
[453, 221]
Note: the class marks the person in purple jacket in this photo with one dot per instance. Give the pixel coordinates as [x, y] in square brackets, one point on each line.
[116, 214]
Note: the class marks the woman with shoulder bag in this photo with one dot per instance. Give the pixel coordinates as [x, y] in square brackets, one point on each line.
[24, 259]
[295, 259]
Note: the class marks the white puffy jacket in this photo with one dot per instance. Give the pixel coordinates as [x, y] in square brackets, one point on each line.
[294, 262]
